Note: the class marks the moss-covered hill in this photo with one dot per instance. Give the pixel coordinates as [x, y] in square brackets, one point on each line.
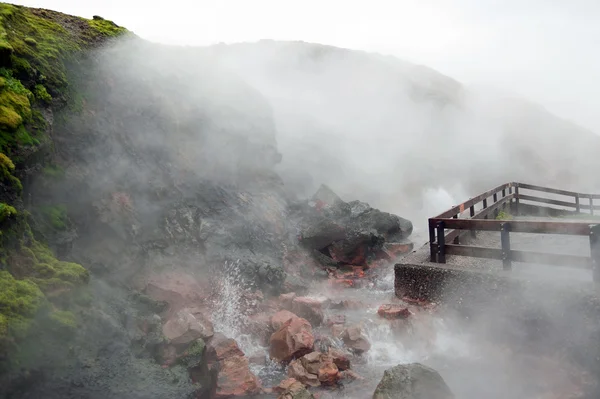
[36, 48]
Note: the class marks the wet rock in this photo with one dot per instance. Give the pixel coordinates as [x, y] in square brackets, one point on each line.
[177, 289]
[340, 358]
[323, 343]
[194, 355]
[310, 308]
[354, 249]
[347, 304]
[294, 283]
[286, 300]
[350, 375]
[259, 325]
[259, 358]
[337, 330]
[312, 362]
[235, 378]
[220, 347]
[328, 372]
[354, 339]
[297, 371]
[186, 326]
[293, 339]
[295, 390]
[395, 249]
[393, 311]
[412, 381]
[335, 319]
[279, 318]
[167, 355]
[321, 233]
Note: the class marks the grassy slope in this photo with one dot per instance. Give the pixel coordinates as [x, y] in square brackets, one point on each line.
[36, 47]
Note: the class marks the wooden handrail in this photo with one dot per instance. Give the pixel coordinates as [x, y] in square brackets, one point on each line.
[442, 243]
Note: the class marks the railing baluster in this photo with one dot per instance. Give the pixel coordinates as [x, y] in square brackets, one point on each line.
[441, 245]
[517, 200]
[592, 205]
[577, 206]
[456, 239]
[595, 251]
[432, 251]
[505, 241]
[472, 212]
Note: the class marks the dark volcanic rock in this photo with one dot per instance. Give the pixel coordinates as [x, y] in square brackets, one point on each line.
[412, 381]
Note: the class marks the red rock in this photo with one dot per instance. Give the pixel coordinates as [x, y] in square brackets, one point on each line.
[279, 318]
[296, 390]
[350, 375]
[220, 347]
[340, 358]
[297, 371]
[394, 249]
[292, 340]
[286, 300]
[186, 326]
[348, 305]
[339, 253]
[328, 373]
[258, 358]
[354, 339]
[309, 308]
[312, 362]
[393, 311]
[335, 319]
[235, 378]
[337, 330]
[285, 385]
[177, 289]
[259, 326]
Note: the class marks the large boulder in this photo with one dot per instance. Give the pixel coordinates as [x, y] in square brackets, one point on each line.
[412, 381]
[293, 339]
[310, 308]
[186, 326]
[349, 233]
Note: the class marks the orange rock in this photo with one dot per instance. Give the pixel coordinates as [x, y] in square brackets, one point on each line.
[340, 358]
[235, 378]
[285, 385]
[279, 318]
[393, 311]
[220, 347]
[310, 308]
[293, 339]
[328, 373]
[297, 371]
[187, 326]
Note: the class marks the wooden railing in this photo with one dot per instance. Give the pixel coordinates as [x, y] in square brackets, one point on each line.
[491, 202]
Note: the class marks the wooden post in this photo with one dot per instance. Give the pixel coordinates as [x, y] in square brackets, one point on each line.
[472, 212]
[441, 253]
[505, 241]
[432, 250]
[595, 251]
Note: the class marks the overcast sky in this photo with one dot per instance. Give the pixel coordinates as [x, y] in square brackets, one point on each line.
[544, 50]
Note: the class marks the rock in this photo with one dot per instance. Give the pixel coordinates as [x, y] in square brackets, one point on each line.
[354, 249]
[412, 381]
[311, 362]
[167, 355]
[393, 311]
[297, 371]
[295, 390]
[220, 347]
[293, 339]
[258, 358]
[235, 378]
[335, 319]
[340, 358]
[321, 233]
[350, 375]
[337, 330]
[177, 289]
[285, 385]
[279, 318]
[286, 300]
[354, 339]
[394, 249]
[328, 373]
[347, 305]
[187, 326]
[310, 308]
[323, 343]
[259, 325]
[294, 283]
[326, 196]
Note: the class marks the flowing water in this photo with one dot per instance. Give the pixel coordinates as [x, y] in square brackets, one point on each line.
[473, 366]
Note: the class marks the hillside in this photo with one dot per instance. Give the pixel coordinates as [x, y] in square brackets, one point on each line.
[392, 131]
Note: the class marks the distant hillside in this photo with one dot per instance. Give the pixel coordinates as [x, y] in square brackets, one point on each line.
[391, 130]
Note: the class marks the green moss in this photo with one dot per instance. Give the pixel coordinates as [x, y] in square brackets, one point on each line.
[106, 28]
[502, 215]
[63, 320]
[55, 215]
[6, 168]
[42, 94]
[6, 211]
[53, 172]
[31, 41]
[9, 119]
[20, 300]
[194, 354]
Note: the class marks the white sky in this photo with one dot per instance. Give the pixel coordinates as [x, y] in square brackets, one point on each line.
[544, 50]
